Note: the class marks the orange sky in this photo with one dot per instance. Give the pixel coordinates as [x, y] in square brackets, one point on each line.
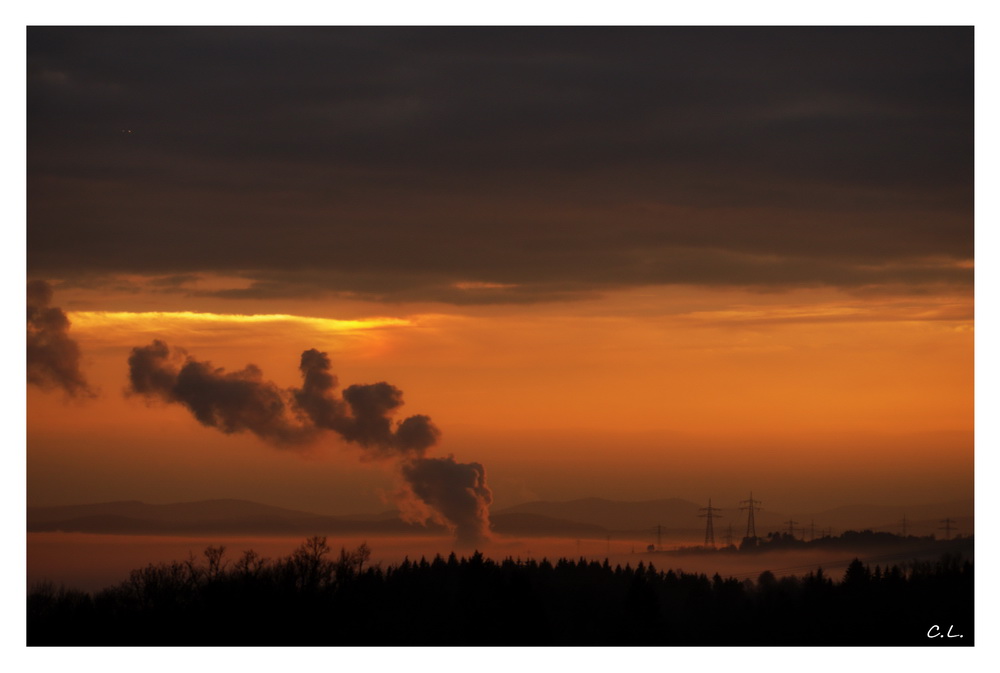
[632, 263]
[811, 398]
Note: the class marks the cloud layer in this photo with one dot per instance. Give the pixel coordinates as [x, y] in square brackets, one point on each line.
[488, 165]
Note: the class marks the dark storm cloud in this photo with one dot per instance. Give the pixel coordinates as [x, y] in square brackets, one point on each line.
[454, 494]
[394, 163]
[53, 358]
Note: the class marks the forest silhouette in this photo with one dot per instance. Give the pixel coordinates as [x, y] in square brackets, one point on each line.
[314, 597]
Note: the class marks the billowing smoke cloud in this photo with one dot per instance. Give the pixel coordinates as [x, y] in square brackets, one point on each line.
[363, 415]
[441, 490]
[53, 357]
[230, 401]
[458, 491]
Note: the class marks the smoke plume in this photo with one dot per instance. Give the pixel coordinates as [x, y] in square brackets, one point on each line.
[457, 491]
[440, 490]
[363, 415]
[53, 357]
[230, 401]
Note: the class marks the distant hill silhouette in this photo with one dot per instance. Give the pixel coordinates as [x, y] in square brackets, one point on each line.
[527, 525]
[680, 517]
[181, 512]
[921, 519]
[587, 518]
[615, 515]
[208, 516]
[245, 517]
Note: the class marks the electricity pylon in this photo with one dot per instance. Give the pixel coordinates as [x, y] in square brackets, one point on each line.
[709, 514]
[751, 506]
[791, 531]
[947, 528]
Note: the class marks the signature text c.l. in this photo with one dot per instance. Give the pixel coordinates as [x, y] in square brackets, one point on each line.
[935, 632]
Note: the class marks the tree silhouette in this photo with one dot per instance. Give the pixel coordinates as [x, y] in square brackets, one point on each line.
[309, 599]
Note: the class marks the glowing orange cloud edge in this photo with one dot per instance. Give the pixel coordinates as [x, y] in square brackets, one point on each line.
[96, 319]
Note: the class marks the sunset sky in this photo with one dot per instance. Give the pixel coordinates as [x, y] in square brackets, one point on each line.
[631, 263]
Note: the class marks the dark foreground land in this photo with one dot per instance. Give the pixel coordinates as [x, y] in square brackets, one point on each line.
[310, 598]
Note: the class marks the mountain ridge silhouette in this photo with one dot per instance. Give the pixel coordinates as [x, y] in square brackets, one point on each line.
[591, 517]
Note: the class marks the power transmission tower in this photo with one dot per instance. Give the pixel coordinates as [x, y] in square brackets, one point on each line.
[791, 531]
[812, 529]
[709, 514]
[729, 535]
[947, 528]
[751, 506]
[904, 525]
